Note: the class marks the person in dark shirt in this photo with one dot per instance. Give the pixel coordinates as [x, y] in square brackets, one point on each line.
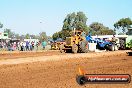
[27, 45]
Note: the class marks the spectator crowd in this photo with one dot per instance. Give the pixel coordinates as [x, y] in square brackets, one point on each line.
[22, 45]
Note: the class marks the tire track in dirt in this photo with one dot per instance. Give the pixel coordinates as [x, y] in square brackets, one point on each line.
[60, 57]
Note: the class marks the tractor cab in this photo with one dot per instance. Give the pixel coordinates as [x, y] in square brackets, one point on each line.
[78, 33]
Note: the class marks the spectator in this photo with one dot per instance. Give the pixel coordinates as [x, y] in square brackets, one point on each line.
[32, 45]
[37, 44]
[9, 46]
[44, 44]
[0, 44]
[14, 46]
[18, 46]
[22, 46]
[114, 41]
[27, 45]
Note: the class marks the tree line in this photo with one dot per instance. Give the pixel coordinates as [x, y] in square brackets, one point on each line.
[78, 21]
[41, 36]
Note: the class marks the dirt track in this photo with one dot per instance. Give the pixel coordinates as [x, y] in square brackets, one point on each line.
[24, 54]
[59, 71]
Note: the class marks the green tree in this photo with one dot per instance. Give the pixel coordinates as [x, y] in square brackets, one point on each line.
[68, 23]
[75, 21]
[99, 29]
[72, 21]
[61, 34]
[96, 26]
[34, 36]
[27, 36]
[55, 36]
[124, 24]
[17, 36]
[64, 34]
[42, 36]
[129, 45]
[80, 21]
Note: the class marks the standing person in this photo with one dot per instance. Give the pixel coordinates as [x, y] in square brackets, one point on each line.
[14, 46]
[37, 44]
[2, 44]
[18, 46]
[114, 41]
[44, 44]
[32, 45]
[22, 46]
[9, 46]
[27, 45]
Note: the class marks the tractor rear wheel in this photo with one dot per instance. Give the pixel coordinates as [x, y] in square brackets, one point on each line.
[74, 48]
[83, 46]
[107, 47]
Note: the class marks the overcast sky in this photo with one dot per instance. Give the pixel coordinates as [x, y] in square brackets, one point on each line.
[34, 16]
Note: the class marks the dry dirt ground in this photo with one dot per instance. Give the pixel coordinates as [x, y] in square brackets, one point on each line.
[24, 54]
[57, 70]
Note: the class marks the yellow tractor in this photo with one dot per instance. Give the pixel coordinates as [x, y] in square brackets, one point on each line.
[76, 43]
[56, 45]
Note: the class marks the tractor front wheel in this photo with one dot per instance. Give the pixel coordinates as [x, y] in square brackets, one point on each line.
[74, 48]
[83, 46]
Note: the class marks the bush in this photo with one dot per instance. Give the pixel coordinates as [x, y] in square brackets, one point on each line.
[129, 45]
